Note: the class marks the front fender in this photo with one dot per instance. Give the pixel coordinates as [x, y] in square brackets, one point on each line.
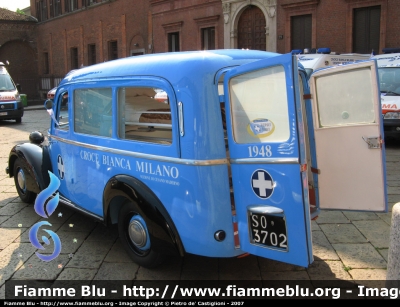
[161, 227]
[36, 163]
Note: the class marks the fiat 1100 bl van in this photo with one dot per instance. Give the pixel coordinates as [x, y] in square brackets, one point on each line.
[239, 156]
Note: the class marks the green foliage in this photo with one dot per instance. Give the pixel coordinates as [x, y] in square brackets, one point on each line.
[20, 11]
[347, 268]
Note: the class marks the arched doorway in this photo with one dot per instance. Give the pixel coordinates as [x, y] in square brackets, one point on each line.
[251, 29]
[22, 67]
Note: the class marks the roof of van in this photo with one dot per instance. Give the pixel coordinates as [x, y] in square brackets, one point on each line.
[312, 60]
[172, 65]
[388, 60]
[3, 69]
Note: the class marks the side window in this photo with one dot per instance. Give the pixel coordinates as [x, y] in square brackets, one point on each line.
[144, 114]
[93, 111]
[63, 120]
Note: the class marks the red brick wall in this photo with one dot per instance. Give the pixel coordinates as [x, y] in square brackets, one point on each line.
[124, 21]
[187, 18]
[332, 20]
[392, 21]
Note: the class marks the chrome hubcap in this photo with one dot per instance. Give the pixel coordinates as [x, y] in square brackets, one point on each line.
[137, 233]
[21, 180]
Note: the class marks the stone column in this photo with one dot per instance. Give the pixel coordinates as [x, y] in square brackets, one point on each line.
[226, 10]
[393, 267]
[270, 30]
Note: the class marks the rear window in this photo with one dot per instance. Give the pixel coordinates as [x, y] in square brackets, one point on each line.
[259, 106]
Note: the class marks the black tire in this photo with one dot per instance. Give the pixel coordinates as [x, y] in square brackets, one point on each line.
[18, 120]
[135, 236]
[20, 183]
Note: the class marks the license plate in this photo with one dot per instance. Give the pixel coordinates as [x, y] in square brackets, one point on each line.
[3, 113]
[268, 230]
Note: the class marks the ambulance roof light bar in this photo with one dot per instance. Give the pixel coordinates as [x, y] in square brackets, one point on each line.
[324, 50]
[391, 50]
[312, 51]
[304, 51]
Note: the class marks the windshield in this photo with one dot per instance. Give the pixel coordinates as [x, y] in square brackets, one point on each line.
[389, 79]
[6, 84]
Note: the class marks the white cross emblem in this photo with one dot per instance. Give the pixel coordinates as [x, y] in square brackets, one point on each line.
[262, 183]
[60, 166]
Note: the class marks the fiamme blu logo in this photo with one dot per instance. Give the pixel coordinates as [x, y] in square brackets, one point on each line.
[46, 201]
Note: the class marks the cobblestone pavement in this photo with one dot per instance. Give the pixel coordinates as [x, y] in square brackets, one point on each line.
[347, 245]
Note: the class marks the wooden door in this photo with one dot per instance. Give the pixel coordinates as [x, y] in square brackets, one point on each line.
[251, 29]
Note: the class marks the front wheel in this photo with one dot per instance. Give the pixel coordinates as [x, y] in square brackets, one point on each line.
[20, 183]
[135, 238]
[18, 120]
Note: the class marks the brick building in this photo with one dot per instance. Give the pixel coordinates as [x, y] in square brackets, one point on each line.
[17, 37]
[75, 33]
[72, 33]
[213, 24]
[343, 25]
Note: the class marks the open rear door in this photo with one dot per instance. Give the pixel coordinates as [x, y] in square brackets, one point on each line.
[265, 148]
[348, 131]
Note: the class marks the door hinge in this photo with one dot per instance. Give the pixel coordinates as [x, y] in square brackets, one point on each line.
[315, 170]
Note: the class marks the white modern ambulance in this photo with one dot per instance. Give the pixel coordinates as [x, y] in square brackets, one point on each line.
[389, 78]
[11, 106]
[324, 58]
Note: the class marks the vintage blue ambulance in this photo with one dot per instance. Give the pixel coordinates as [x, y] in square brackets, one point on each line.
[238, 157]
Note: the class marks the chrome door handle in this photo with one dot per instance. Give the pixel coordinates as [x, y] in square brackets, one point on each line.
[373, 142]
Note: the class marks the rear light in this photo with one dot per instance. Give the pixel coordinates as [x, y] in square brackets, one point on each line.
[391, 115]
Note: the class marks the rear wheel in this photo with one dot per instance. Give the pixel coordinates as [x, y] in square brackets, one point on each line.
[135, 238]
[18, 120]
[20, 183]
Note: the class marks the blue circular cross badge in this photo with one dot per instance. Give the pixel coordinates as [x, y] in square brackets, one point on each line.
[262, 184]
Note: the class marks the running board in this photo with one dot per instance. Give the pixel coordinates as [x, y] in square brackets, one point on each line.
[70, 204]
